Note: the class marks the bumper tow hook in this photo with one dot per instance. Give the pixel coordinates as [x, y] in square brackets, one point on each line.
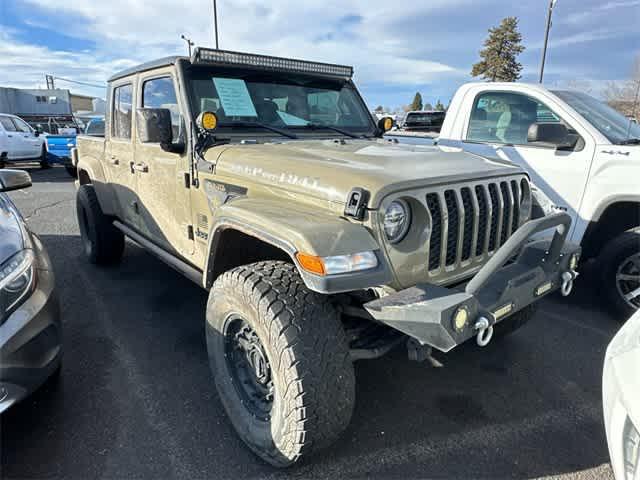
[485, 332]
[567, 282]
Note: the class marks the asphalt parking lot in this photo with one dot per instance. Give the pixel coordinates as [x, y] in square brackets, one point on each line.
[136, 399]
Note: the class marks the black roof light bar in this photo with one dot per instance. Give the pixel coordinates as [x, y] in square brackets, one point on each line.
[265, 62]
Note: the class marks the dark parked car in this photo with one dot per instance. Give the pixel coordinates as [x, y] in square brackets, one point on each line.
[30, 328]
[428, 121]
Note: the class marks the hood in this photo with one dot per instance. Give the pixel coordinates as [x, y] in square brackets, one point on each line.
[11, 237]
[329, 169]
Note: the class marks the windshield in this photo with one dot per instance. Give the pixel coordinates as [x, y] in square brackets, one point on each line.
[612, 124]
[299, 104]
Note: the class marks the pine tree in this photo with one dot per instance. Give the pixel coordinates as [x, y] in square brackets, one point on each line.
[439, 106]
[501, 49]
[417, 102]
[379, 109]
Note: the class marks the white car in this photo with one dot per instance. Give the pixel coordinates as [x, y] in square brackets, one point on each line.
[20, 142]
[621, 400]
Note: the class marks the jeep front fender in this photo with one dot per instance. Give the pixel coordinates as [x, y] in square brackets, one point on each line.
[298, 228]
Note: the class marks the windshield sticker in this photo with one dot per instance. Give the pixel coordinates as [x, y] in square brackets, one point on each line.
[235, 98]
[292, 120]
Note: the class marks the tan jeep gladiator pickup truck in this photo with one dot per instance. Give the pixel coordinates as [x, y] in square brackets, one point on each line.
[266, 181]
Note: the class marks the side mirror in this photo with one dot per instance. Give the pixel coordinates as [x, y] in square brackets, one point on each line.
[14, 180]
[385, 124]
[37, 131]
[154, 126]
[553, 134]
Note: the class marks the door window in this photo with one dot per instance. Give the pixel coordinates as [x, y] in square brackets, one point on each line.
[122, 102]
[21, 125]
[7, 124]
[505, 117]
[160, 93]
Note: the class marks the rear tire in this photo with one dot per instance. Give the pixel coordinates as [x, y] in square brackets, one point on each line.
[103, 244]
[515, 322]
[621, 256]
[305, 399]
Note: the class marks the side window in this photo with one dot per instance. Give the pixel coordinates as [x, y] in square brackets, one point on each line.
[504, 117]
[21, 126]
[121, 116]
[160, 93]
[7, 124]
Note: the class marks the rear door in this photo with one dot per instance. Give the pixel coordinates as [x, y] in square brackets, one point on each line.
[31, 144]
[14, 147]
[162, 184]
[118, 160]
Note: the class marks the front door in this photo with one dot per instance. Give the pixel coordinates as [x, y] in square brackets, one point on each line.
[162, 182]
[498, 127]
[118, 160]
[31, 144]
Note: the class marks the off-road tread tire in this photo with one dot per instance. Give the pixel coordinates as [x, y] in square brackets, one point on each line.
[106, 241]
[614, 252]
[303, 330]
[515, 321]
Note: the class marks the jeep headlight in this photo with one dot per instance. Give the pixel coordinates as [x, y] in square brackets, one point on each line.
[17, 279]
[397, 219]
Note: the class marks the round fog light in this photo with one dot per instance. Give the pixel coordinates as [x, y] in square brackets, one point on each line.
[460, 319]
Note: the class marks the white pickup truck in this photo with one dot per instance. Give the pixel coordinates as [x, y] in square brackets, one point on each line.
[583, 155]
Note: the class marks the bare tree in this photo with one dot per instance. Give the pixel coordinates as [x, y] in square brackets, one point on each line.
[624, 96]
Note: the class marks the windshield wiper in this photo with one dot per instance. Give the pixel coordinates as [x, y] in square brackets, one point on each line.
[279, 131]
[630, 141]
[314, 126]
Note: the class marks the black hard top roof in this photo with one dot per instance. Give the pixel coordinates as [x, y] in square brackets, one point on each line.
[160, 62]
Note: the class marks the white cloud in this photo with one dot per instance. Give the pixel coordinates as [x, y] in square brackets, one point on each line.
[593, 14]
[352, 32]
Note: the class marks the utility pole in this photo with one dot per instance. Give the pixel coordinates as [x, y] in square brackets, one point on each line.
[552, 3]
[50, 83]
[189, 43]
[215, 22]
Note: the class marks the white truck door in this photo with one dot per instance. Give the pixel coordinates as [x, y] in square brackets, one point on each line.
[31, 144]
[13, 141]
[498, 127]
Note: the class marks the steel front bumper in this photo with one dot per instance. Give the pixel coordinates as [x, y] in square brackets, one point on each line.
[428, 313]
[30, 339]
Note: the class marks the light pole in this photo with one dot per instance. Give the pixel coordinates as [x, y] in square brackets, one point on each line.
[215, 22]
[189, 43]
[552, 3]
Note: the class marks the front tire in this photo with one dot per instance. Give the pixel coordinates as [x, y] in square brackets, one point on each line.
[620, 269]
[281, 361]
[103, 244]
[44, 160]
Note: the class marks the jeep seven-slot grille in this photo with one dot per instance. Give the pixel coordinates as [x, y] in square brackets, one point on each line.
[472, 221]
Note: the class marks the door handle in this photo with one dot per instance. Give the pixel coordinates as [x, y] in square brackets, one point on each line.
[139, 167]
[10, 136]
[115, 160]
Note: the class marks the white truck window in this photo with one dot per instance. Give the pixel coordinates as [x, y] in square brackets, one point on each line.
[505, 117]
[121, 124]
[8, 124]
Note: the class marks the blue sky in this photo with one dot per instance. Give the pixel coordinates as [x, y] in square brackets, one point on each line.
[397, 47]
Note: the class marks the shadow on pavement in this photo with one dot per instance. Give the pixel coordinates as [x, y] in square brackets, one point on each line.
[136, 398]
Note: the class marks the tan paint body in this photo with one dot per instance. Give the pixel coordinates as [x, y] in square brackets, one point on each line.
[289, 193]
